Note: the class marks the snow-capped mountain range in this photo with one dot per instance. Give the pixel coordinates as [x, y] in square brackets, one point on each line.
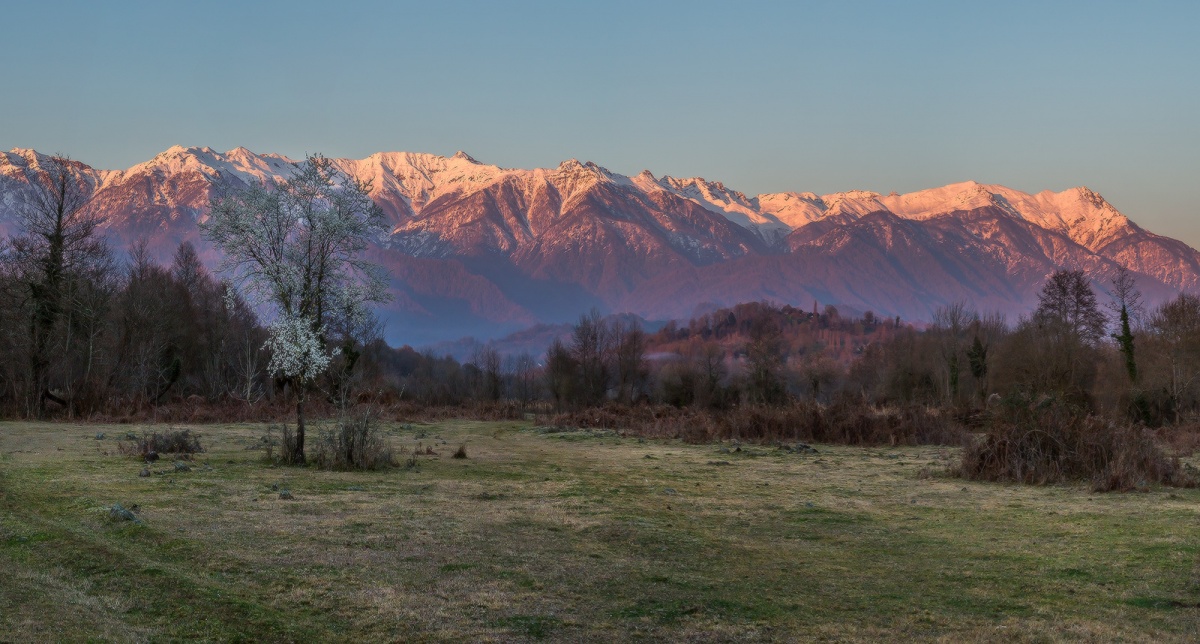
[479, 249]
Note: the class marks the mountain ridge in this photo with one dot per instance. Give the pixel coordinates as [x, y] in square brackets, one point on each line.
[525, 246]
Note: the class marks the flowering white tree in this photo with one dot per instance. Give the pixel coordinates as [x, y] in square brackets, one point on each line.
[296, 246]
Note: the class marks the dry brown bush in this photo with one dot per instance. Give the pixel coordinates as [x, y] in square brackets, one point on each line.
[181, 442]
[353, 442]
[1184, 440]
[1054, 443]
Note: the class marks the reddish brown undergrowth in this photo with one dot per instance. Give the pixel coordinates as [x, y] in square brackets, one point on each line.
[1052, 443]
[1183, 440]
[845, 424]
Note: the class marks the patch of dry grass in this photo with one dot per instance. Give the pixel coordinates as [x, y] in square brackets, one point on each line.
[576, 536]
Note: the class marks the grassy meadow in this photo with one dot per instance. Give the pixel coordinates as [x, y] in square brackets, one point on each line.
[574, 536]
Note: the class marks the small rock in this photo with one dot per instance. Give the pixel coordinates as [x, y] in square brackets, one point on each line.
[356, 488]
[130, 436]
[145, 472]
[119, 513]
[100, 436]
[669, 491]
[275, 487]
[180, 466]
[286, 495]
[808, 504]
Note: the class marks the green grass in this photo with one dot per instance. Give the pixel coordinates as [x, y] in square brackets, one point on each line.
[575, 536]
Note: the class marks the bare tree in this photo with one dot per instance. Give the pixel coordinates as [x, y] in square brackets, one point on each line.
[764, 357]
[591, 346]
[1177, 325]
[1070, 326]
[1067, 305]
[818, 371]
[630, 349]
[58, 241]
[951, 324]
[487, 360]
[297, 246]
[708, 360]
[561, 373]
[525, 375]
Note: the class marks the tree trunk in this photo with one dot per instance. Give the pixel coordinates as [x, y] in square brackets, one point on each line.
[297, 455]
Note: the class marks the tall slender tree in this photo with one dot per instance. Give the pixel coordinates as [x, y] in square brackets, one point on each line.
[1126, 303]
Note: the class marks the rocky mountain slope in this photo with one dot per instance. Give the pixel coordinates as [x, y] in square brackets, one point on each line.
[478, 249]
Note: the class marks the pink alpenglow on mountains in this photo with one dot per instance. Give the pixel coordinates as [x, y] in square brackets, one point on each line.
[476, 249]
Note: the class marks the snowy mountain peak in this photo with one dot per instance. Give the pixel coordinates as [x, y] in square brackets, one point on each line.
[1087, 195]
[240, 153]
[575, 167]
[405, 182]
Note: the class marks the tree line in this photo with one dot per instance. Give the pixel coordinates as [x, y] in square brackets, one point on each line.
[1115, 357]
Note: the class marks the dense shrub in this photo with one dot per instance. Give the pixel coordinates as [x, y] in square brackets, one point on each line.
[180, 442]
[353, 442]
[1050, 442]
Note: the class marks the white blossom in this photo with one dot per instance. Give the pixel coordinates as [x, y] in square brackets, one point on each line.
[295, 348]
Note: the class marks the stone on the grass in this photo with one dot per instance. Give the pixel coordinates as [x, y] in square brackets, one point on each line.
[99, 436]
[286, 495]
[180, 466]
[121, 513]
[145, 472]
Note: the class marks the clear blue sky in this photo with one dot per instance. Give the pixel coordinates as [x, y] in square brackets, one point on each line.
[766, 97]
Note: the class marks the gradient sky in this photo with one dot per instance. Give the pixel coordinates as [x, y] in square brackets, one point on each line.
[766, 97]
